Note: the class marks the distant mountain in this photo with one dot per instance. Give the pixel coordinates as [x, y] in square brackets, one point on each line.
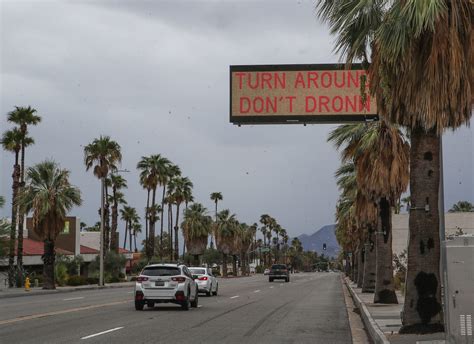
[314, 242]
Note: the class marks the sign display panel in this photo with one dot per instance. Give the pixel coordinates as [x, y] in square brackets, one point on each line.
[317, 93]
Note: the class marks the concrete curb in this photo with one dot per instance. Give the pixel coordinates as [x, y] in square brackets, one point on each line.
[7, 295]
[372, 328]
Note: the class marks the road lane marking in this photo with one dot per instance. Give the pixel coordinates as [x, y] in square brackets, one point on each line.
[103, 332]
[199, 306]
[65, 311]
[271, 287]
[257, 291]
[234, 297]
[74, 298]
[130, 292]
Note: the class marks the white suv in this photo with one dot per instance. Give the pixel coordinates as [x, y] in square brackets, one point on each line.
[163, 283]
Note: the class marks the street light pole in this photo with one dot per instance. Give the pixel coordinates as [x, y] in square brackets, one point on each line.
[101, 259]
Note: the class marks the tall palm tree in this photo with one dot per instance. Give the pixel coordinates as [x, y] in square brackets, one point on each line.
[225, 234]
[136, 228]
[152, 168]
[414, 44]
[196, 228]
[11, 142]
[23, 117]
[215, 197]
[103, 155]
[187, 197]
[381, 156]
[49, 195]
[177, 188]
[130, 216]
[116, 199]
[167, 172]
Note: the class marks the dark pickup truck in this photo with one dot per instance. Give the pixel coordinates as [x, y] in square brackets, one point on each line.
[279, 271]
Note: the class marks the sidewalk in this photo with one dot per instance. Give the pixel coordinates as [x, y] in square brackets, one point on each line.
[383, 321]
[19, 292]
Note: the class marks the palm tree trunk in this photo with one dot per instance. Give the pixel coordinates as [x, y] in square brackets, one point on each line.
[224, 264]
[125, 236]
[161, 220]
[107, 220]
[146, 213]
[151, 238]
[196, 260]
[384, 285]
[170, 229]
[360, 266]
[368, 283]
[422, 308]
[113, 234]
[19, 257]
[11, 248]
[48, 265]
[234, 264]
[184, 249]
[176, 244]
[130, 235]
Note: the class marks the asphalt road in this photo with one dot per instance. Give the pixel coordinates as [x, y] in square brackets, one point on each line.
[309, 309]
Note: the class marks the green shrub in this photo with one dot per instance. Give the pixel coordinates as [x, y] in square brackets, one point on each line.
[121, 275]
[92, 280]
[133, 279]
[61, 273]
[113, 265]
[76, 280]
[112, 279]
[259, 269]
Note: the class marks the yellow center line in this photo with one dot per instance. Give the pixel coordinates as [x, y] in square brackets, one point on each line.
[64, 311]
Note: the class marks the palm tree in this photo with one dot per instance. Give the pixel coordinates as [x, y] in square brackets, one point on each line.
[152, 168]
[103, 154]
[414, 44]
[196, 228]
[136, 228]
[117, 198]
[381, 156]
[49, 195]
[167, 172]
[11, 142]
[177, 189]
[225, 234]
[130, 216]
[216, 197]
[187, 197]
[462, 207]
[23, 117]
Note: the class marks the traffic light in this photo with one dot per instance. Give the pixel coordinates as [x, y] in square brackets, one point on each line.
[324, 246]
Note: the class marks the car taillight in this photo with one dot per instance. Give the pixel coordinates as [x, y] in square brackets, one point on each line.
[284, 270]
[178, 279]
[141, 279]
[203, 278]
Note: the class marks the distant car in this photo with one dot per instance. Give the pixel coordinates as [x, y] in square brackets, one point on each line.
[163, 283]
[206, 281]
[279, 271]
[266, 272]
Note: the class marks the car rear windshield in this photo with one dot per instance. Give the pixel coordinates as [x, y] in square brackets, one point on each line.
[161, 271]
[278, 267]
[198, 271]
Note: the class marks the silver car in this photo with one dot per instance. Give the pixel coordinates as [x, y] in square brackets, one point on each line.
[163, 283]
[206, 281]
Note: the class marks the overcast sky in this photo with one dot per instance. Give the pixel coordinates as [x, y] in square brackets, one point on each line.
[154, 76]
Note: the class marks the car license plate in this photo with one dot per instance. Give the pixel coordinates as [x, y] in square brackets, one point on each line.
[159, 283]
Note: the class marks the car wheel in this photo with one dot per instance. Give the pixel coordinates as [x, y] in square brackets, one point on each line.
[215, 292]
[150, 304]
[139, 305]
[186, 305]
[287, 279]
[195, 302]
[270, 280]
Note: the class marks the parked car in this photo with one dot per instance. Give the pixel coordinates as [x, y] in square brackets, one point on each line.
[266, 272]
[163, 283]
[279, 271]
[206, 281]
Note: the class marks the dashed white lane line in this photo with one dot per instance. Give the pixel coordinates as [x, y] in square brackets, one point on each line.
[271, 287]
[257, 291]
[234, 297]
[130, 292]
[74, 298]
[101, 333]
[199, 306]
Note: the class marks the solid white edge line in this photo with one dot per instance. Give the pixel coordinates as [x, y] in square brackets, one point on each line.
[234, 297]
[100, 333]
[74, 298]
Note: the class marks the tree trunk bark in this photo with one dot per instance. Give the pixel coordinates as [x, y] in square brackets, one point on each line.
[19, 258]
[125, 236]
[162, 219]
[224, 265]
[360, 266]
[107, 220]
[368, 283]
[176, 243]
[384, 285]
[196, 260]
[150, 252]
[130, 234]
[49, 257]
[11, 248]
[146, 214]
[234, 265]
[170, 229]
[422, 310]
[113, 234]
